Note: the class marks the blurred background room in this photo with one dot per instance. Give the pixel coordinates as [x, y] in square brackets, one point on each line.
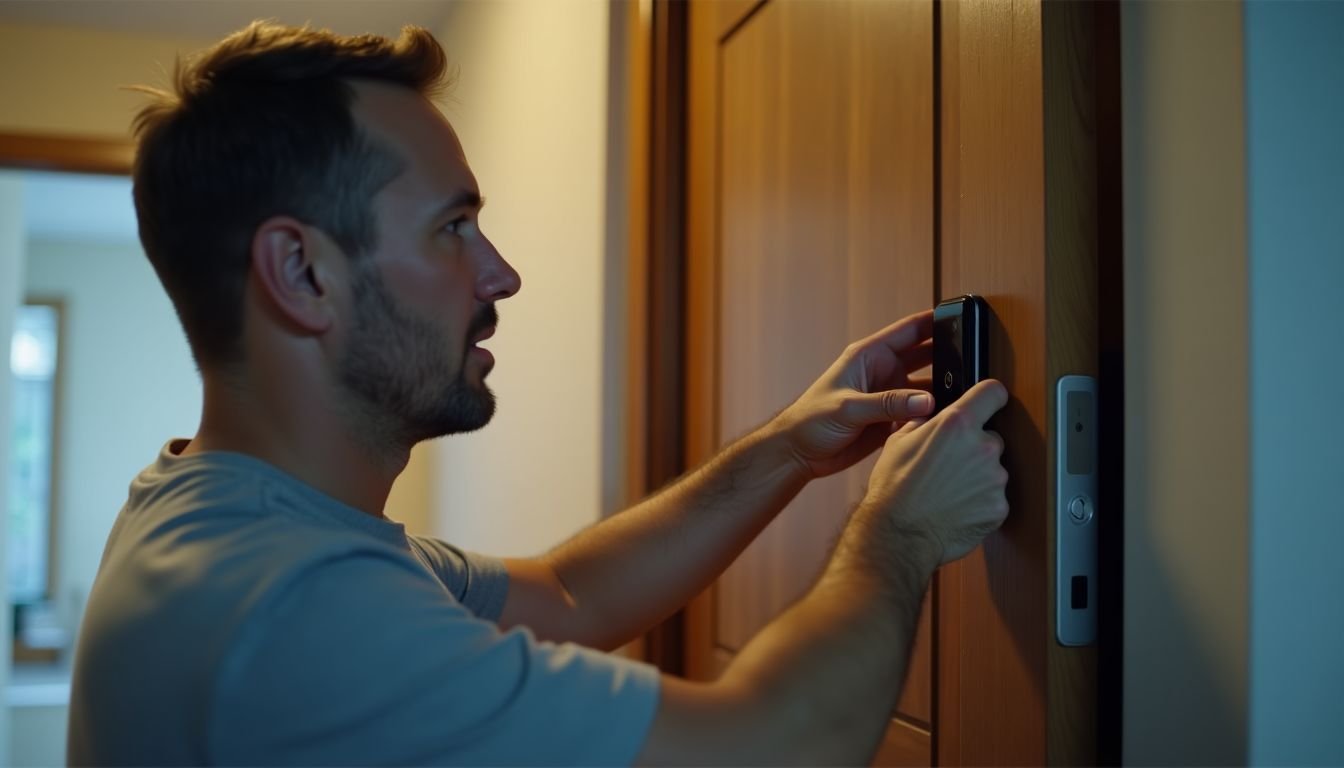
[1229, 261]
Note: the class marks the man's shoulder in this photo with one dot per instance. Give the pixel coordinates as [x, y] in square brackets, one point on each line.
[213, 541]
[231, 500]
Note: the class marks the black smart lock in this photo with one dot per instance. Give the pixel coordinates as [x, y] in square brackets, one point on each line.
[960, 348]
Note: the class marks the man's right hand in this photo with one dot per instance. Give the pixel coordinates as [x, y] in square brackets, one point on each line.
[942, 478]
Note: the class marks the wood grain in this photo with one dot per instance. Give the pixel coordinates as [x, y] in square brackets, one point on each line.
[783, 276]
[821, 118]
[993, 244]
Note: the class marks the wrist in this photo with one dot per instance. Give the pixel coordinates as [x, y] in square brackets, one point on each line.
[901, 558]
[777, 448]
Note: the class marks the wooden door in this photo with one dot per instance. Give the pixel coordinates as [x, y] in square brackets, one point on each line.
[849, 163]
[823, 198]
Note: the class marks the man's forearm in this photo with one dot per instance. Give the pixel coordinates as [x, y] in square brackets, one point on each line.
[634, 569]
[832, 667]
[817, 685]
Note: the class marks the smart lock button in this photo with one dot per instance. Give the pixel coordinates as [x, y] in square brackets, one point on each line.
[1080, 510]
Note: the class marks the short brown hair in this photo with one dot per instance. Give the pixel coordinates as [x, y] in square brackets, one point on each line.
[259, 126]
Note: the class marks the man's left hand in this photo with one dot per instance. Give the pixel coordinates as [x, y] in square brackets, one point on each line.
[851, 410]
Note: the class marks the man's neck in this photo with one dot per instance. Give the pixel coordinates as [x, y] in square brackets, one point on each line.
[301, 432]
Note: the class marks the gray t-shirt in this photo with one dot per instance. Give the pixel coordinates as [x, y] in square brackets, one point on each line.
[242, 617]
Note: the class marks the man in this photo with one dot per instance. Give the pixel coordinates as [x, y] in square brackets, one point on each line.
[314, 220]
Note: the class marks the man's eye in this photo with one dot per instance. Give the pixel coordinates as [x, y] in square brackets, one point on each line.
[454, 227]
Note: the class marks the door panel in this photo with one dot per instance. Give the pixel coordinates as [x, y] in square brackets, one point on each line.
[823, 182]
[731, 13]
[783, 279]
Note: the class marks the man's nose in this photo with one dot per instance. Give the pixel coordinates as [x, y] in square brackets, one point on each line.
[498, 280]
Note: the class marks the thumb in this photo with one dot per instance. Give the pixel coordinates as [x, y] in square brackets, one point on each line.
[892, 405]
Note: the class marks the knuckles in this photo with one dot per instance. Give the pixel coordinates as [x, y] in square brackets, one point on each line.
[955, 422]
[849, 407]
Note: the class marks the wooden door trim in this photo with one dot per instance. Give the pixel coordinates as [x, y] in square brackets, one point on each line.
[72, 154]
[654, 47]
[665, 294]
[705, 28]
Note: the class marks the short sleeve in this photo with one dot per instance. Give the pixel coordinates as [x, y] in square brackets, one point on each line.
[366, 661]
[480, 583]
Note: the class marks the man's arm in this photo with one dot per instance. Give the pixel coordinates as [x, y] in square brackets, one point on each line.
[818, 684]
[616, 579]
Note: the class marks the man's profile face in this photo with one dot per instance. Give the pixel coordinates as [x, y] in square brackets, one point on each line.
[425, 295]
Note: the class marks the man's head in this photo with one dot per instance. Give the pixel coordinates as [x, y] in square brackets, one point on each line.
[298, 192]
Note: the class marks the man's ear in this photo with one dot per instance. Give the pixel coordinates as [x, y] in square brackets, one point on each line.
[291, 275]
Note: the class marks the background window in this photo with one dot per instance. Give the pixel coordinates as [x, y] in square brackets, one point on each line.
[33, 360]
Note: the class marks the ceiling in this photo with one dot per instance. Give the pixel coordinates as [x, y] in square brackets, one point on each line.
[212, 19]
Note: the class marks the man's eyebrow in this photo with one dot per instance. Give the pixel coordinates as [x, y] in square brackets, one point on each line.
[466, 198]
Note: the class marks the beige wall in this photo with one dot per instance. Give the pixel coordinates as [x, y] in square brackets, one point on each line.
[70, 78]
[530, 108]
[1186, 390]
[409, 501]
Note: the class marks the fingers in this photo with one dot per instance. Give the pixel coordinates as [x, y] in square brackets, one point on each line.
[918, 356]
[904, 333]
[923, 383]
[982, 401]
[893, 405]
[885, 358]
